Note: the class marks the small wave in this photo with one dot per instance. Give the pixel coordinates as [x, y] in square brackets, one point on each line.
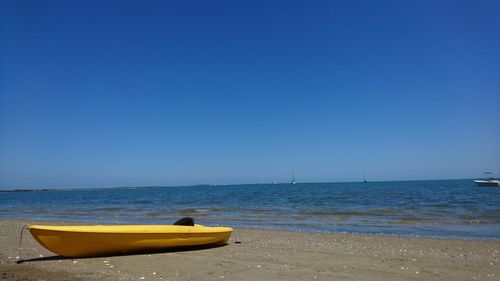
[317, 213]
[193, 211]
[142, 202]
[337, 218]
[359, 213]
[154, 214]
[468, 219]
[35, 211]
[110, 209]
[186, 212]
[416, 221]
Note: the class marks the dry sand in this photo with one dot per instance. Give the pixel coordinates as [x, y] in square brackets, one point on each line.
[265, 255]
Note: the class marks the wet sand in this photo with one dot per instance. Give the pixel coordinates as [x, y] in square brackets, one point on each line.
[265, 255]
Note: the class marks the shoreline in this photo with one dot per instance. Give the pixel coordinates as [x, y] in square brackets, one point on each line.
[267, 255]
[304, 231]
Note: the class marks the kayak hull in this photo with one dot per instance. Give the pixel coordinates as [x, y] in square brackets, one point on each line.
[101, 240]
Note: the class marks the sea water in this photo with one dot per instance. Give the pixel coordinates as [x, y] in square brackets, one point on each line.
[442, 209]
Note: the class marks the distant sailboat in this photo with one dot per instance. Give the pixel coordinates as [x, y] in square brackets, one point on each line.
[293, 178]
[364, 179]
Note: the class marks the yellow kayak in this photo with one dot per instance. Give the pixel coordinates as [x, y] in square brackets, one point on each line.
[99, 240]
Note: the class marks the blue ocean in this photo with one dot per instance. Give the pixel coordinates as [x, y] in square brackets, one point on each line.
[442, 209]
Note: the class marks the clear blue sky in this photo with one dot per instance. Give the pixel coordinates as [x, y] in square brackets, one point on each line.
[111, 93]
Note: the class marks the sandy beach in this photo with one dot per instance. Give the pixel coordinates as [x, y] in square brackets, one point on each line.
[265, 255]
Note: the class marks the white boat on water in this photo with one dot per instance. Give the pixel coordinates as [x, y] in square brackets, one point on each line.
[488, 181]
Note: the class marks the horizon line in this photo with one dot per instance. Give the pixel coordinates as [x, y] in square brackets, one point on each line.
[28, 189]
